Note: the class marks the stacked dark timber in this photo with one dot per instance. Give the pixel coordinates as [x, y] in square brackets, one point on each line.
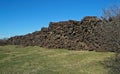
[70, 34]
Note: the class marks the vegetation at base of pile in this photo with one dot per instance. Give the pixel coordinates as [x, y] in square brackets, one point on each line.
[37, 60]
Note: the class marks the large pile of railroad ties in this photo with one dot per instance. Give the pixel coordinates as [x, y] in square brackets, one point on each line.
[74, 35]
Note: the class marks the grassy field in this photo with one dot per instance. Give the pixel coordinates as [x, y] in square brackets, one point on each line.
[36, 60]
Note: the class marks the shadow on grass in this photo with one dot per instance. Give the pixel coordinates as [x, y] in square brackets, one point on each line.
[112, 65]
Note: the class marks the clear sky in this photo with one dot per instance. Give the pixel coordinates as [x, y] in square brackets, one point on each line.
[19, 17]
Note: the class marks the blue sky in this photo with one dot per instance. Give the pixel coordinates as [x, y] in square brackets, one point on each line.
[19, 17]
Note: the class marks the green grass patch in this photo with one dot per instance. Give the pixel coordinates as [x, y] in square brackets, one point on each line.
[37, 60]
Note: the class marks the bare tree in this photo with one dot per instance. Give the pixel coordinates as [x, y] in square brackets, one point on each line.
[111, 28]
[112, 13]
[110, 35]
[3, 41]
